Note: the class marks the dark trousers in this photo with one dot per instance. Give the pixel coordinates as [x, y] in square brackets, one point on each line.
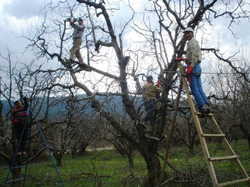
[150, 109]
[18, 128]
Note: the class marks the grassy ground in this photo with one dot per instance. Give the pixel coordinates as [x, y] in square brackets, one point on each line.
[105, 168]
[109, 169]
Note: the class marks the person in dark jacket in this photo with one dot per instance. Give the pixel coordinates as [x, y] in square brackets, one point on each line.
[19, 117]
[150, 92]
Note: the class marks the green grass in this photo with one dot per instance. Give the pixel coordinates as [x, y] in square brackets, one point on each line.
[105, 168]
[109, 169]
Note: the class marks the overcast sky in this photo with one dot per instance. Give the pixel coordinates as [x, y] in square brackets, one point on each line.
[16, 19]
[17, 16]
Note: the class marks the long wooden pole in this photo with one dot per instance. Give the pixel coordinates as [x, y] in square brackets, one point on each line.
[170, 133]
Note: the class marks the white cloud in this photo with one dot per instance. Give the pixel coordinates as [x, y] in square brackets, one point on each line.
[16, 16]
[22, 9]
[3, 3]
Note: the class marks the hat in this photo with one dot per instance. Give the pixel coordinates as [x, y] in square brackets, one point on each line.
[17, 101]
[149, 77]
[188, 29]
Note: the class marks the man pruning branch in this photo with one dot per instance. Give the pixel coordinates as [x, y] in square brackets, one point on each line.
[77, 40]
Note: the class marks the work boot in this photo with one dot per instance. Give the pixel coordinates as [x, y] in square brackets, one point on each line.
[97, 46]
[68, 63]
[203, 109]
[208, 108]
[84, 67]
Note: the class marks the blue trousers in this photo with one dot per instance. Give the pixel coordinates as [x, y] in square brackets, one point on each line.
[196, 87]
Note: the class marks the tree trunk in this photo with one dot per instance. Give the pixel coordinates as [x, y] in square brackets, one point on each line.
[83, 148]
[58, 156]
[153, 166]
[248, 140]
[130, 158]
[16, 173]
[73, 151]
[246, 133]
[191, 149]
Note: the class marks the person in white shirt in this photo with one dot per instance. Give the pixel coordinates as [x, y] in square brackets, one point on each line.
[193, 54]
[77, 39]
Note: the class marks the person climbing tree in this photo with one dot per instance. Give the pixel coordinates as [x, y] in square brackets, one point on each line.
[19, 117]
[77, 40]
[150, 93]
[193, 54]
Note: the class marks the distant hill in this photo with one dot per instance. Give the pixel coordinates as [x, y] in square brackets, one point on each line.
[6, 107]
[113, 104]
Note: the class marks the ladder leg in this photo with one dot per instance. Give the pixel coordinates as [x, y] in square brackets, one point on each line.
[27, 152]
[170, 134]
[229, 149]
[48, 150]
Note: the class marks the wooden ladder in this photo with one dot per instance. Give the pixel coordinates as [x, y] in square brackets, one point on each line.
[231, 156]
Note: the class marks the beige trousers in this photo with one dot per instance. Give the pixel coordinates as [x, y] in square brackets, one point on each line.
[75, 50]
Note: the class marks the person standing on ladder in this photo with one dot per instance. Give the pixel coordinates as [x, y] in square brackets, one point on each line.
[19, 117]
[77, 40]
[193, 54]
[150, 93]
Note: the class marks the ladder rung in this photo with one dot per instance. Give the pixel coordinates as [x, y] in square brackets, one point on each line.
[223, 158]
[213, 135]
[14, 180]
[16, 167]
[204, 114]
[234, 182]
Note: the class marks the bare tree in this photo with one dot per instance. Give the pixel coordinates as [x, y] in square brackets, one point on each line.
[230, 95]
[23, 81]
[75, 132]
[15, 86]
[118, 75]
